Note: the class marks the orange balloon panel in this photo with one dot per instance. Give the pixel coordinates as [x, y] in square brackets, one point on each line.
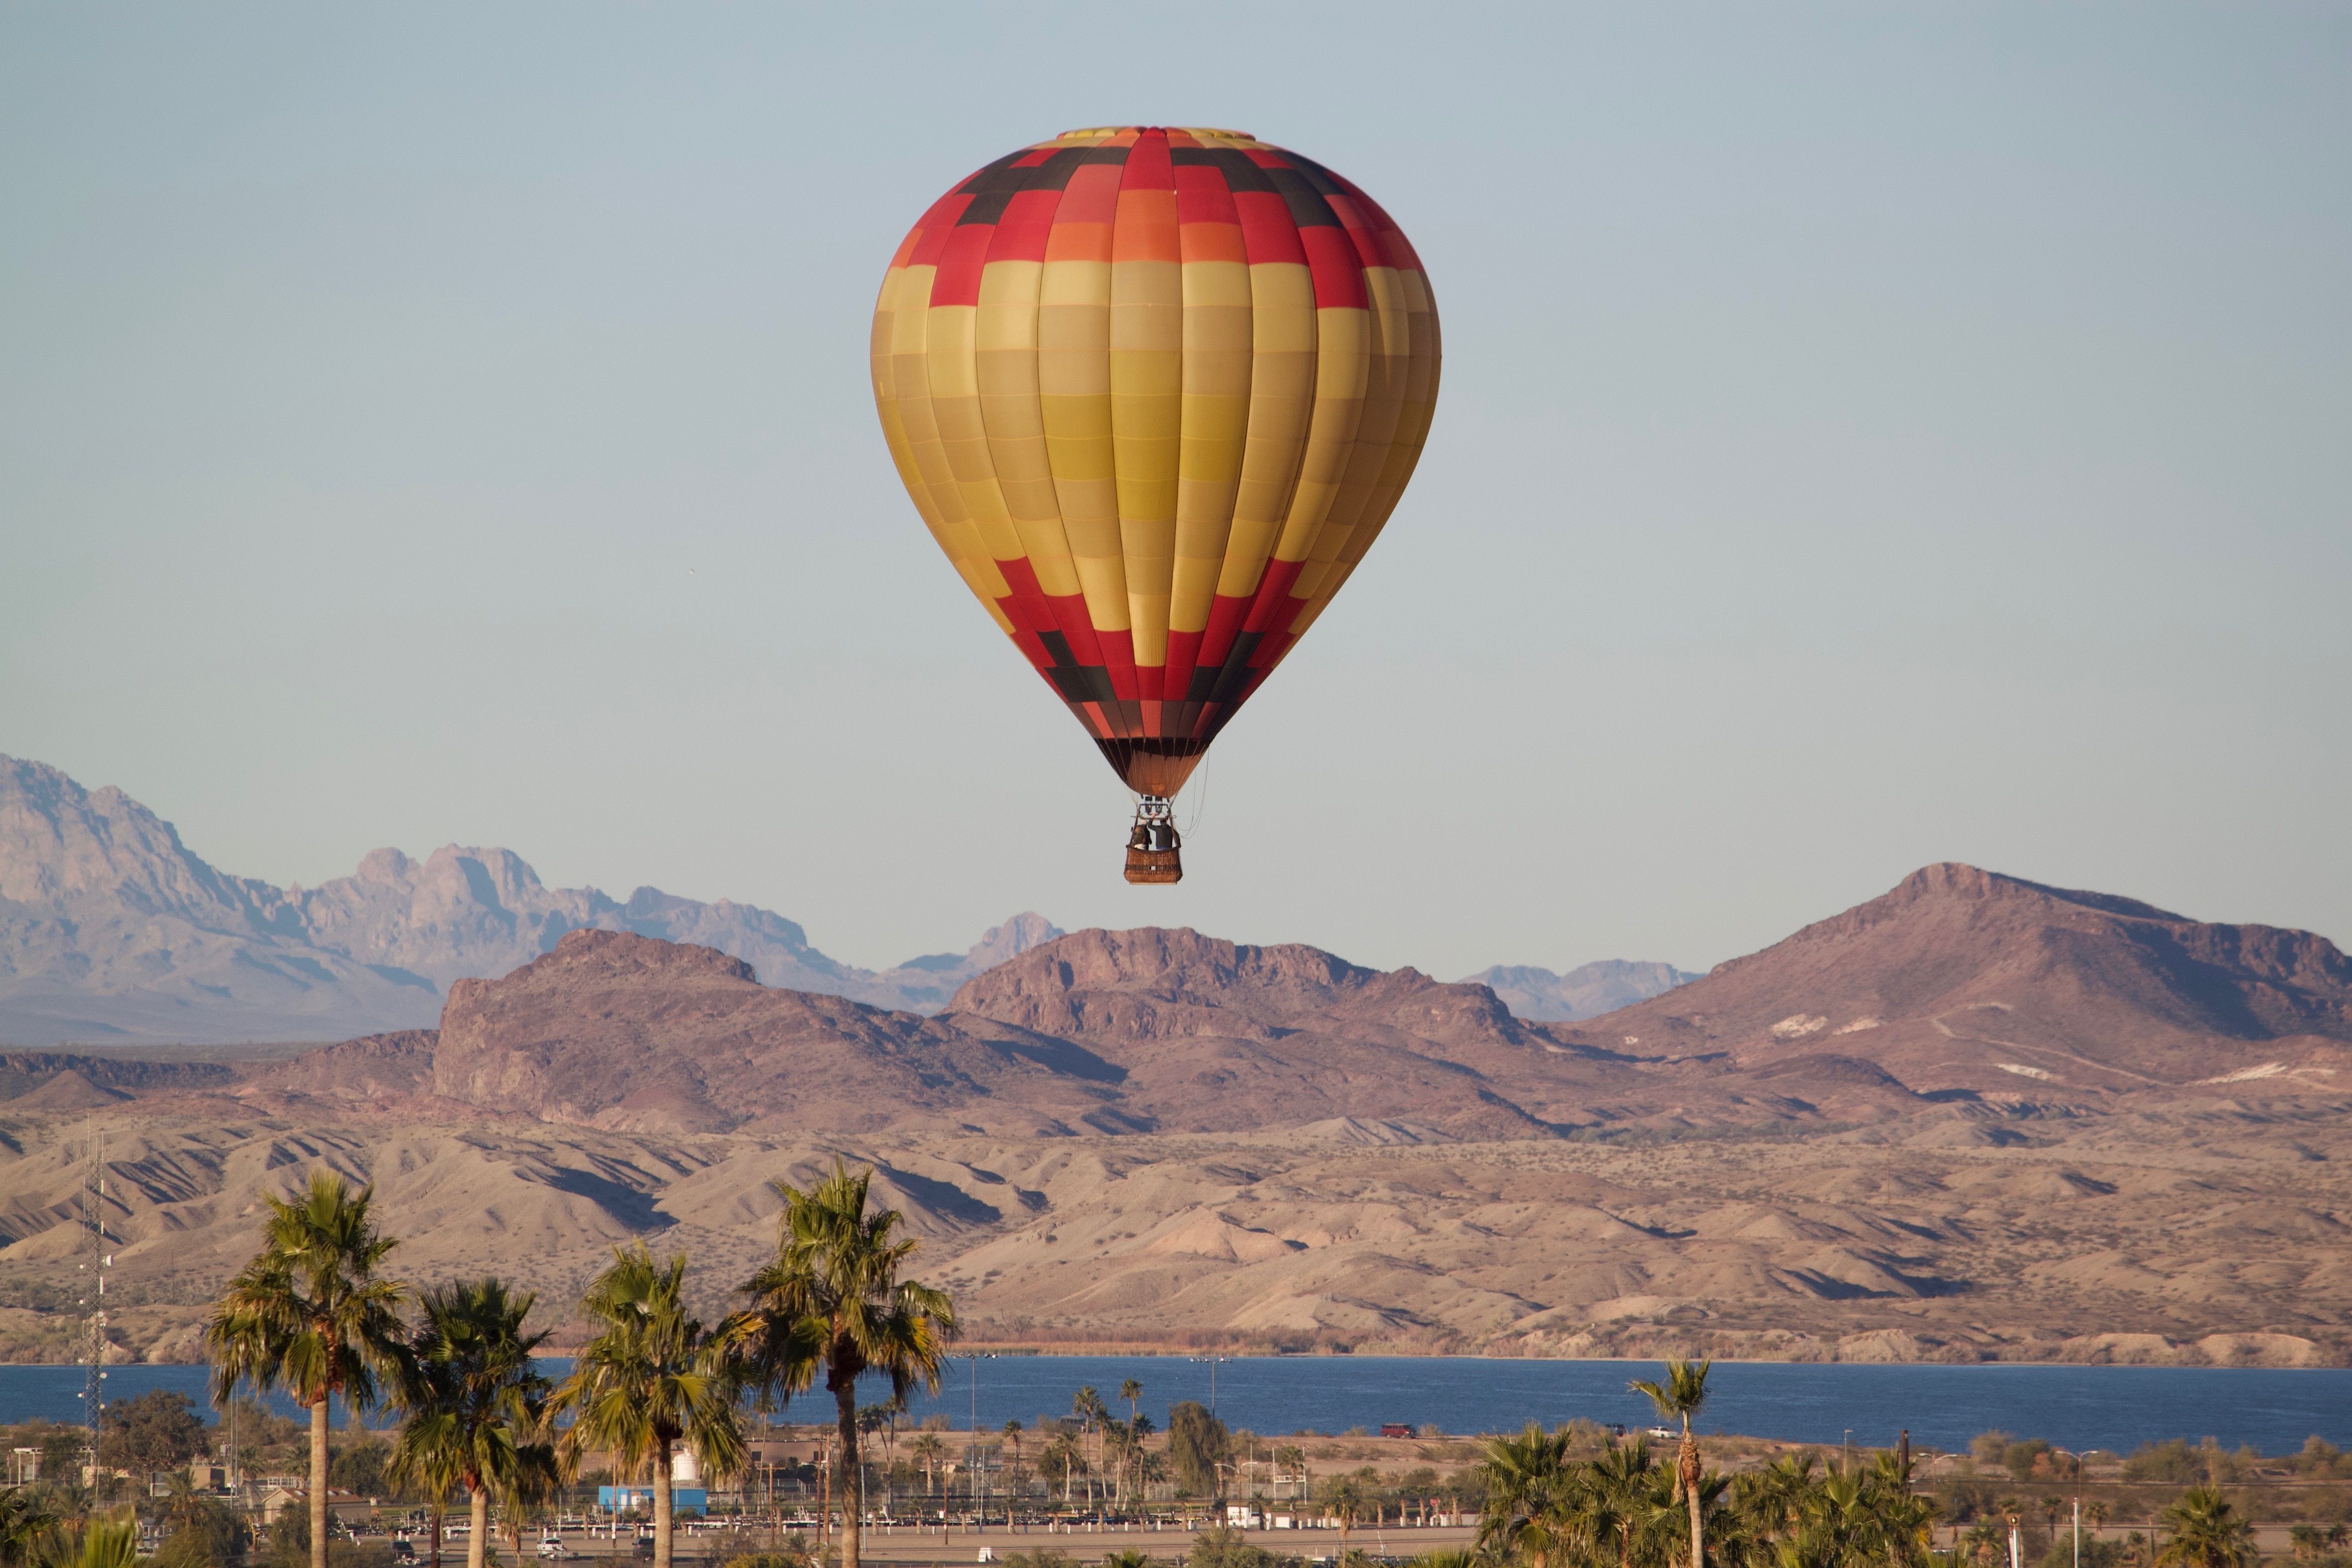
[1155, 391]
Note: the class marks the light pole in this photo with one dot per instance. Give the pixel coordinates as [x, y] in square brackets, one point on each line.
[1213, 1362]
[979, 1460]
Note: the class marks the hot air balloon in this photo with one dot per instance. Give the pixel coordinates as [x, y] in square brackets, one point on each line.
[1155, 390]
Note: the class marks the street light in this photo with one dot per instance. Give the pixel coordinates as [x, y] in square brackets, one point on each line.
[1213, 1361]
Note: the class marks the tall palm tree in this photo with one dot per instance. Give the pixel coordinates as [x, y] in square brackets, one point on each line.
[1679, 1397]
[832, 1295]
[652, 1377]
[485, 1410]
[1062, 1454]
[1131, 1389]
[929, 1450]
[311, 1311]
[1088, 1407]
[1345, 1498]
[2207, 1532]
[27, 1528]
[1012, 1475]
[432, 1469]
[1293, 1459]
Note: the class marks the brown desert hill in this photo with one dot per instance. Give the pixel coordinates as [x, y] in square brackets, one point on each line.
[632, 1033]
[1103, 1031]
[1310, 1152]
[1961, 979]
[1217, 1035]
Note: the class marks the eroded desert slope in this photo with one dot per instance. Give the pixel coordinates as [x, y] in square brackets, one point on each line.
[1975, 1117]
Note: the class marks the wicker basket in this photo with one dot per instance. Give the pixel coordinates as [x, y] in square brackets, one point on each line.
[1155, 864]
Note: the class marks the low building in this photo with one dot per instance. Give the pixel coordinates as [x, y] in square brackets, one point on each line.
[342, 1506]
[640, 1498]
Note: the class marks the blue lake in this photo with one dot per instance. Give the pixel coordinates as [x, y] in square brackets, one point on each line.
[1943, 1406]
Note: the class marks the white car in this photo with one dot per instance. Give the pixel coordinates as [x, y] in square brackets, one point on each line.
[551, 1547]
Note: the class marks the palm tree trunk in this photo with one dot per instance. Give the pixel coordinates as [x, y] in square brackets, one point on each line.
[440, 1515]
[844, 1397]
[477, 1540]
[665, 1514]
[1687, 1470]
[319, 1483]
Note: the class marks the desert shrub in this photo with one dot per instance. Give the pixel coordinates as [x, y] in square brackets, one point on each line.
[1987, 1447]
[358, 1467]
[2096, 1554]
[2019, 1459]
[1963, 1499]
[1044, 1557]
[2321, 1459]
[1221, 1546]
[210, 1537]
[794, 1553]
[2168, 1461]
[288, 1546]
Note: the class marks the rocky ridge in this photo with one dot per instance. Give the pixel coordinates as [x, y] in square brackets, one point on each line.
[112, 930]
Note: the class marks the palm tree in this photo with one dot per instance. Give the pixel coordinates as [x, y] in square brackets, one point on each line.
[433, 1471]
[2205, 1533]
[1609, 1507]
[1012, 1476]
[1088, 1407]
[106, 1544]
[832, 1295]
[1062, 1454]
[1131, 1389]
[27, 1528]
[2096, 1511]
[1682, 1393]
[1529, 1479]
[1293, 1459]
[927, 1448]
[479, 1402]
[310, 1312]
[652, 1377]
[1344, 1497]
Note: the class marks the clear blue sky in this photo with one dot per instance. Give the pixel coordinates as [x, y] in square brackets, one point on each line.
[1871, 435]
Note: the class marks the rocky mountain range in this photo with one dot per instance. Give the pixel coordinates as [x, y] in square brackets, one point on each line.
[111, 929]
[114, 929]
[1974, 1118]
[1585, 992]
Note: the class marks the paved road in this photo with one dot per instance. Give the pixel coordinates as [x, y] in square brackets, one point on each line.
[962, 1544]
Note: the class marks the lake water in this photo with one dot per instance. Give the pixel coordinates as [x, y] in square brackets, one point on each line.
[2116, 1407]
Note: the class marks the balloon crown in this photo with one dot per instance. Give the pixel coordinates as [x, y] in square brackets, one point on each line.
[1188, 129]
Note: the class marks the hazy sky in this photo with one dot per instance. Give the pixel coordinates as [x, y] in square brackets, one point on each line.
[1870, 435]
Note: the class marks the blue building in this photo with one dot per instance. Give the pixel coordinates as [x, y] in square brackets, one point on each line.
[682, 1499]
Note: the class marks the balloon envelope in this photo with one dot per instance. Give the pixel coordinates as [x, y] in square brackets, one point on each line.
[1155, 391]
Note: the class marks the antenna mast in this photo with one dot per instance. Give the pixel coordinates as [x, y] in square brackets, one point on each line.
[93, 1200]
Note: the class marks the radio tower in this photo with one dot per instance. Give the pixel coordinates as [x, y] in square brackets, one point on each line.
[93, 1201]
